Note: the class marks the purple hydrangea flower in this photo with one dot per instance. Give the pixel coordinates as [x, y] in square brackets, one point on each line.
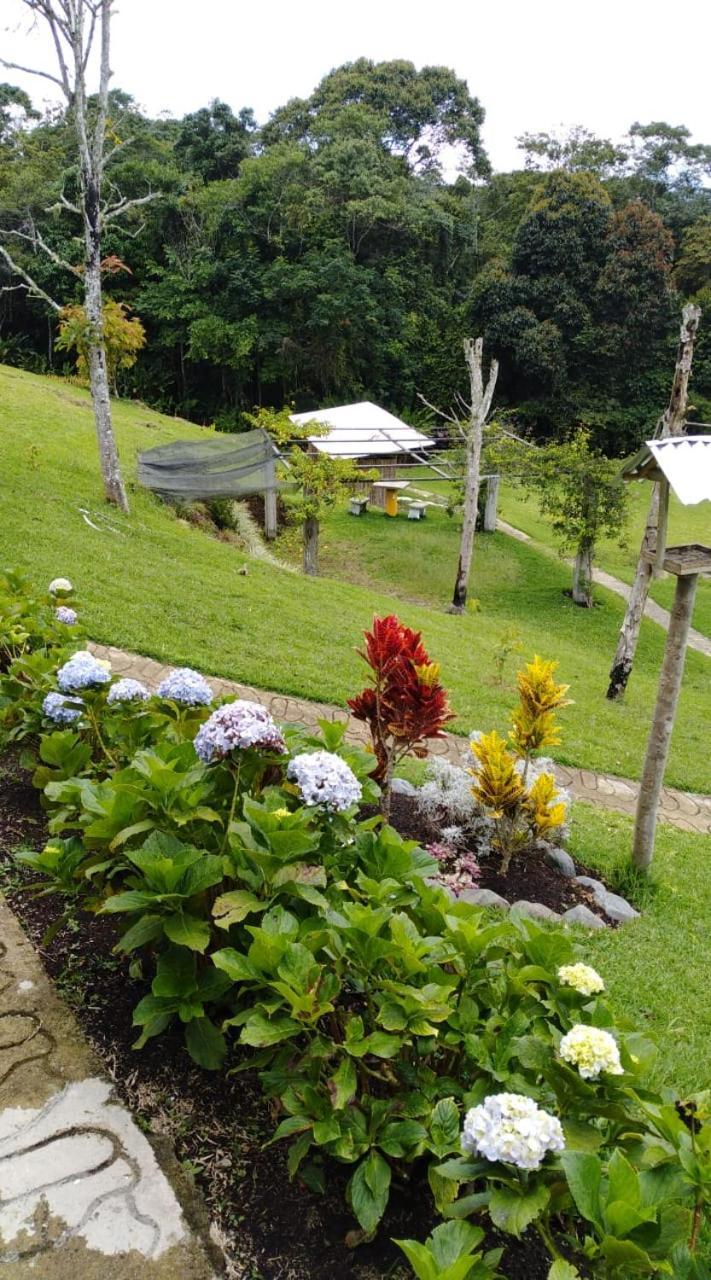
[83, 671]
[60, 709]
[127, 690]
[324, 778]
[186, 686]
[66, 615]
[238, 726]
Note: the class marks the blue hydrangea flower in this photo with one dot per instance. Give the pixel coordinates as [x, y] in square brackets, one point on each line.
[60, 709]
[238, 726]
[83, 671]
[324, 778]
[127, 690]
[66, 615]
[187, 686]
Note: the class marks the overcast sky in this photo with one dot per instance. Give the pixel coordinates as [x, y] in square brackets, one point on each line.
[534, 66]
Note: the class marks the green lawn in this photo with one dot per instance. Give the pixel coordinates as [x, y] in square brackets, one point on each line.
[657, 967]
[163, 587]
[686, 524]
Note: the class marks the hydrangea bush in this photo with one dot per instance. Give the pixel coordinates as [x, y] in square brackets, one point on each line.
[396, 1030]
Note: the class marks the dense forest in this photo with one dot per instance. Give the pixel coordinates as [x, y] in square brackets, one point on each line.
[342, 251]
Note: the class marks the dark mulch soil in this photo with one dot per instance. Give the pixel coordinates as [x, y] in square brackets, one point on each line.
[529, 877]
[270, 1228]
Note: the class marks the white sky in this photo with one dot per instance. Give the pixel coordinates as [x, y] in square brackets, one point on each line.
[534, 64]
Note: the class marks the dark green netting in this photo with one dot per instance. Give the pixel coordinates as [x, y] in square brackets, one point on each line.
[226, 467]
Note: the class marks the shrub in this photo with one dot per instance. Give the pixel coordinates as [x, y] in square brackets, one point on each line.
[405, 706]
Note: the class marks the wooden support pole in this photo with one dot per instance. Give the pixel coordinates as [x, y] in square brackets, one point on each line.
[662, 525]
[270, 501]
[663, 721]
[492, 501]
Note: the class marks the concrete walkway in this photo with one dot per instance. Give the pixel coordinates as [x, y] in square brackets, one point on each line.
[82, 1194]
[680, 808]
[652, 610]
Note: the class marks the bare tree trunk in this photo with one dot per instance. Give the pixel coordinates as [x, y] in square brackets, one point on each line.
[471, 507]
[311, 546]
[479, 406]
[663, 722]
[671, 423]
[91, 163]
[582, 575]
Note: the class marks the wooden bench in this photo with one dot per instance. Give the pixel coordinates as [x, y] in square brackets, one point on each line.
[358, 506]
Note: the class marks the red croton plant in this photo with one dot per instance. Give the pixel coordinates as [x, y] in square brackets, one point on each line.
[405, 705]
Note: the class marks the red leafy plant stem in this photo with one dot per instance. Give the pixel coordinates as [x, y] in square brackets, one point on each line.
[404, 705]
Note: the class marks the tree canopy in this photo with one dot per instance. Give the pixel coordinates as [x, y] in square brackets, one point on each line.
[345, 248]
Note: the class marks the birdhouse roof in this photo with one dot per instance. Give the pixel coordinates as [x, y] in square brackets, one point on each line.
[684, 461]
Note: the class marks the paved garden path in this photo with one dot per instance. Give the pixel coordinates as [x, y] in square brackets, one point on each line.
[697, 641]
[680, 808]
[82, 1193]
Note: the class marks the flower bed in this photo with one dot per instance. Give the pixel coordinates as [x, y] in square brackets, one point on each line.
[269, 921]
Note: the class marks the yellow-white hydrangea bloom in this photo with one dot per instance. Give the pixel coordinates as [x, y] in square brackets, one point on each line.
[582, 977]
[591, 1050]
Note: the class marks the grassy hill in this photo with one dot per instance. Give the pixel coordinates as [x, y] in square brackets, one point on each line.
[153, 583]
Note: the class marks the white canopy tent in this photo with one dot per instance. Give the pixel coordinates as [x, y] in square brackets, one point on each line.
[362, 431]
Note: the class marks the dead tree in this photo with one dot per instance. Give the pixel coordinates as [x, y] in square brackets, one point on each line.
[469, 425]
[671, 423]
[73, 25]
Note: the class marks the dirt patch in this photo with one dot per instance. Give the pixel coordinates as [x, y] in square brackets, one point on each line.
[529, 877]
[269, 1227]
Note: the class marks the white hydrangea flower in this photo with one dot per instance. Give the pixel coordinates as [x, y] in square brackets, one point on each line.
[127, 690]
[60, 587]
[324, 778]
[238, 726]
[186, 686]
[591, 1050]
[83, 671]
[582, 978]
[512, 1128]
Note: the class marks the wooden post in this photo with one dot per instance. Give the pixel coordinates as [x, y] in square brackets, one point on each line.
[662, 525]
[492, 500]
[663, 722]
[270, 502]
[671, 423]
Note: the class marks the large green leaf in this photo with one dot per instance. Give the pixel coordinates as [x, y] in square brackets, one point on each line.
[206, 1045]
[562, 1270]
[369, 1189]
[231, 908]
[513, 1211]
[584, 1175]
[187, 931]
[235, 965]
[445, 1127]
[175, 975]
[146, 929]
[260, 1031]
[453, 1240]
[343, 1084]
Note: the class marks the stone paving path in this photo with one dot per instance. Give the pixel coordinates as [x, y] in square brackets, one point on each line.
[680, 808]
[652, 610]
[82, 1194]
